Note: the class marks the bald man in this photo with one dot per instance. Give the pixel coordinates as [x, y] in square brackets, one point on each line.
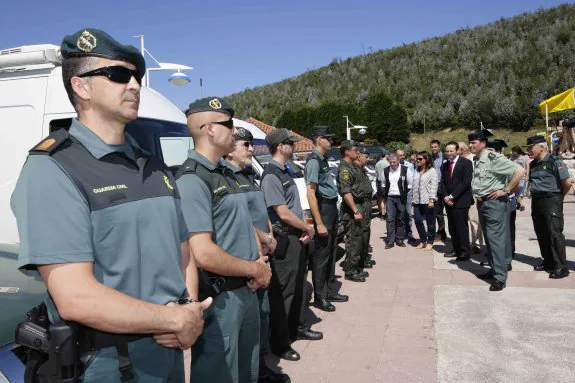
[224, 242]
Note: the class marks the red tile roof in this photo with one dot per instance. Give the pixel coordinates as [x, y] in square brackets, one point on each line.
[305, 145]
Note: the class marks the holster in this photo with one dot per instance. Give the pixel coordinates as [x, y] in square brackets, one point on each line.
[212, 285]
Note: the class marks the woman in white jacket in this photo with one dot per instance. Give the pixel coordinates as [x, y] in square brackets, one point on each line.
[423, 197]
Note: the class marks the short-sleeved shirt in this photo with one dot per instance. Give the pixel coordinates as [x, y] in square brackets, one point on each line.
[276, 194]
[132, 235]
[229, 221]
[379, 166]
[545, 175]
[491, 172]
[317, 172]
[256, 201]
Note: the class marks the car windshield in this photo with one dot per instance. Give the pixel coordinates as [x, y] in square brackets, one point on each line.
[263, 155]
[167, 140]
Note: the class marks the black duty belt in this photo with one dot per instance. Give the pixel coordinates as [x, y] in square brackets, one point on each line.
[486, 198]
[329, 201]
[90, 339]
[539, 195]
[228, 283]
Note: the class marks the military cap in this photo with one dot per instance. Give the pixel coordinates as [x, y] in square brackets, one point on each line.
[278, 136]
[362, 149]
[210, 104]
[495, 144]
[94, 42]
[479, 135]
[243, 135]
[502, 143]
[321, 131]
[347, 145]
[535, 140]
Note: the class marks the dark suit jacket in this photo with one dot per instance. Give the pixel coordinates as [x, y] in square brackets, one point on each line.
[459, 184]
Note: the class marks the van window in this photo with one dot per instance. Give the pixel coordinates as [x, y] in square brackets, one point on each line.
[167, 140]
[263, 155]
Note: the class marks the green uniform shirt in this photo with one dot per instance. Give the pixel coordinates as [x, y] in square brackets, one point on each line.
[546, 175]
[491, 172]
[230, 221]
[351, 179]
[133, 240]
[317, 172]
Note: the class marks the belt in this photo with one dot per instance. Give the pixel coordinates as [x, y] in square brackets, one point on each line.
[538, 195]
[227, 283]
[328, 200]
[90, 339]
[486, 198]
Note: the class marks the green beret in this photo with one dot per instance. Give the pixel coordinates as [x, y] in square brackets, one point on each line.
[535, 140]
[362, 149]
[321, 131]
[210, 104]
[279, 136]
[97, 43]
[243, 135]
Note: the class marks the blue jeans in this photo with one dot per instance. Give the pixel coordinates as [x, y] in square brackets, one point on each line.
[395, 219]
[407, 217]
[422, 212]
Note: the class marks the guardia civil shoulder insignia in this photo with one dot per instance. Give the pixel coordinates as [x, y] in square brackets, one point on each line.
[167, 181]
[86, 42]
[215, 104]
[345, 175]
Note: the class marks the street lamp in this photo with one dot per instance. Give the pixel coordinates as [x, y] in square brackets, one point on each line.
[362, 129]
[178, 78]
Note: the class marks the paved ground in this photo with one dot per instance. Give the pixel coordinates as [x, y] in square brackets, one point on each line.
[420, 318]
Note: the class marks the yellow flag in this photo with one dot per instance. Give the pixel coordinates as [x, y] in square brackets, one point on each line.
[561, 101]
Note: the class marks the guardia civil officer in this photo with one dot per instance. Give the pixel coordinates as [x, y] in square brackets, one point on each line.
[110, 242]
[550, 183]
[240, 161]
[491, 189]
[322, 198]
[289, 261]
[225, 246]
[349, 186]
[361, 163]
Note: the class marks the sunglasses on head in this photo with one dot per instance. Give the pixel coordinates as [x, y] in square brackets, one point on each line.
[228, 123]
[118, 74]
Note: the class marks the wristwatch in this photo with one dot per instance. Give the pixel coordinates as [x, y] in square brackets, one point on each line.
[186, 301]
[356, 212]
[506, 190]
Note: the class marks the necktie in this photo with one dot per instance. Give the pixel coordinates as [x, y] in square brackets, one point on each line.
[451, 163]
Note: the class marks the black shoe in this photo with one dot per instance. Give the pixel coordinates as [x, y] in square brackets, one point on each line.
[443, 235]
[370, 249]
[389, 245]
[288, 354]
[542, 267]
[308, 334]
[373, 263]
[486, 276]
[354, 277]
[462, 258]
[364, 274]
[509, 267]
[450, 255]
[267, 375]
[400, 243]
[337, 297]
[411, 239]
[497, 286]
[476, 249]
[367, 265]
[559, 273]
[324, 305]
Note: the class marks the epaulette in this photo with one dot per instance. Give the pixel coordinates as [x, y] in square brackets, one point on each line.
[49, 144]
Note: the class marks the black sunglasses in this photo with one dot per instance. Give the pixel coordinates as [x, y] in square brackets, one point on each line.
[228, 124]
[288, 142]
[247, 144]
[118, 74]
[420, 159]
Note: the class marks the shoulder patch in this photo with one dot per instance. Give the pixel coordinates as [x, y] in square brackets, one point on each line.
[491, 156]
[51, 143]
[345, 175]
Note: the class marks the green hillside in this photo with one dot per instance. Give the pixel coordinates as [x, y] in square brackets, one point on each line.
[496, 73]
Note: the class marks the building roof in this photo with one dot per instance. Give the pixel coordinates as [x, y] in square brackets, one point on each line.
[305, 145]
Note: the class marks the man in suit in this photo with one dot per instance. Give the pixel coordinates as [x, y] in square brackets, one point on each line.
[456, 177]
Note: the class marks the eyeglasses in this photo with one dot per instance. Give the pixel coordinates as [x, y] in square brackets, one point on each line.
[420, 159]
[228, 124]
[118, 74]
[246, 144]
[288, 142]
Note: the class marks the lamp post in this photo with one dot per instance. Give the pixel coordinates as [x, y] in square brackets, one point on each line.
[348, 129]
[179, 78]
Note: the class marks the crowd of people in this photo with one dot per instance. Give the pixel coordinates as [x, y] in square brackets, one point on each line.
[479, 191]
[141, 263]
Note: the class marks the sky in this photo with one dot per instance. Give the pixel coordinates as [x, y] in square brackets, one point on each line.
[234, 45]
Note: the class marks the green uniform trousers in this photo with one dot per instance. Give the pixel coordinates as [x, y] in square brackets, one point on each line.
[264, 302]
[150, 363]
[228, 349]
[494, 219]
[366, 227]
[547, 215]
